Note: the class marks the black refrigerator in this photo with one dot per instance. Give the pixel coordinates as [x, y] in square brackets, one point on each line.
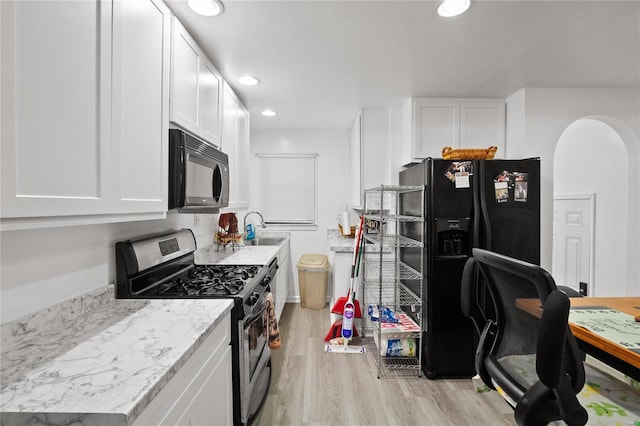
[491, 204]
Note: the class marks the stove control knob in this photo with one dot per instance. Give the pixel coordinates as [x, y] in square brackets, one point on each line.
[266, 280]
[253, 299]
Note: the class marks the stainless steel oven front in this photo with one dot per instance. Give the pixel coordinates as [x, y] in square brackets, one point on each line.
[255, 358]
[162, 266]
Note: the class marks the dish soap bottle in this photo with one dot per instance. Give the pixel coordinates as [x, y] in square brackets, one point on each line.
[251, 234]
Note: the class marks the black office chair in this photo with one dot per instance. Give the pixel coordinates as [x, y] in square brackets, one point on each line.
[531, 358]
[570, 292]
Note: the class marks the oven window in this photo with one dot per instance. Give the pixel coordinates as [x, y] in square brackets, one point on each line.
[257, 341]
[199, 179]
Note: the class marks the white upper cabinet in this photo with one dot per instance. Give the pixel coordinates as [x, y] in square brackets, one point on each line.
[244, 172]
[370, 145]
[235, 143]
[195, 88]
[141, 47]
[185, 79]
[210, 88]
[56, 118]
[482, 124]
[84, 112]
[432, 123]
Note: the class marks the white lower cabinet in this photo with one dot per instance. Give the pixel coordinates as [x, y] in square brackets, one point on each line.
[200, 393]
[284, 277]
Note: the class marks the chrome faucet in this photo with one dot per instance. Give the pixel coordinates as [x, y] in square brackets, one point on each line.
[244, 221]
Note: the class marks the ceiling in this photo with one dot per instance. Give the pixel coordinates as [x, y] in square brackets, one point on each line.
[321, 61]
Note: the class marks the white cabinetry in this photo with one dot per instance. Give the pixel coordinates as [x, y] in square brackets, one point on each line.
[235, 143]
[56, 112]
[370, 145]
[85, 140]
[200, 392]
[195, 88]
[140, 105]
[284, 277]
[431, 124]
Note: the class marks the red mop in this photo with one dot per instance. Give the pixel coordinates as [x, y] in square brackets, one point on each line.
[338, 308]
[345, 328]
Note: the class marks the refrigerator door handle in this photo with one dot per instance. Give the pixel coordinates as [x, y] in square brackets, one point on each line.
[476, 209]
[481, 212]
[485, 219]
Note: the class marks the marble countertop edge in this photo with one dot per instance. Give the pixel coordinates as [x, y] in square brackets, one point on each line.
[29, 378]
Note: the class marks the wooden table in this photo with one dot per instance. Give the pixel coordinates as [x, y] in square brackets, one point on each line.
[591, 342]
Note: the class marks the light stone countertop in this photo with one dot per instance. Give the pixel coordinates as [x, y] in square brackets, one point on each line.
[240, 255]
[339, 243]
[102, 366]
[247, 255]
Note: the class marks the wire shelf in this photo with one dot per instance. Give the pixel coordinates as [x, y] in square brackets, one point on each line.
[405, 297]
[391, 270]
[392, 241]
[389, 281]
[393, 217]
[392, 366]
[400, 189]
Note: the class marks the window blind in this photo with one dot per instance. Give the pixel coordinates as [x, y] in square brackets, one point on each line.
[288, 188]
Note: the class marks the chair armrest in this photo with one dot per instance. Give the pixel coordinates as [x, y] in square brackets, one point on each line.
[551, 338]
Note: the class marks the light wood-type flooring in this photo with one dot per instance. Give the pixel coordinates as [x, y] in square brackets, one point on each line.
[312, 387]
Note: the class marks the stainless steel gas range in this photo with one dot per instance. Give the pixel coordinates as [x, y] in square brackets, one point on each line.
[162, 266]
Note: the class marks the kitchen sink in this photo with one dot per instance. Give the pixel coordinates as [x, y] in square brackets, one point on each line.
[265, 241]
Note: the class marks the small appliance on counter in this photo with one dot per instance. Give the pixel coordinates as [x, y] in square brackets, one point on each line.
[162, 267]
[344, 224]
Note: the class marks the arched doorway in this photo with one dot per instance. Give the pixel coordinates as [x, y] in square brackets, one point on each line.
[592, 190]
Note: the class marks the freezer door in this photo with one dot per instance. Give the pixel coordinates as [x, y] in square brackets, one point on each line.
[509, 202]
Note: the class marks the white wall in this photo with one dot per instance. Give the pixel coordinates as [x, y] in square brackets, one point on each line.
[42, 267]
[592, 158]
[537, 117]
[333, 184]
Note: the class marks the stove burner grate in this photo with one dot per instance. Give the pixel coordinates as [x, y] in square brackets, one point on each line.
[210, 280]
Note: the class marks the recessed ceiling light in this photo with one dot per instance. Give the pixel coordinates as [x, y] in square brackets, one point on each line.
[268, 113]
[248, 80]
[449, 8]
[206, 7]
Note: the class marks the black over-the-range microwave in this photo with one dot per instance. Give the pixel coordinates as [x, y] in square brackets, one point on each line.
[198, 175]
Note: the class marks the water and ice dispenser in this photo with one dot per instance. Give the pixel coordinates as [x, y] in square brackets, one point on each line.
[453, 236]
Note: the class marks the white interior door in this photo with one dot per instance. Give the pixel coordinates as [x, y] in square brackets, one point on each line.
[573, 241]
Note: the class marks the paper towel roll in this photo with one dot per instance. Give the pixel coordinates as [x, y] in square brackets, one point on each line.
[346, 227]
[397, 347]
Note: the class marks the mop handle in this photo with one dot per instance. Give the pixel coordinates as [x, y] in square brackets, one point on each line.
[357, 248]
[360, 256]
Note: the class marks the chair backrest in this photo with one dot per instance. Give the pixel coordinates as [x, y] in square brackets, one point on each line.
[525, 348]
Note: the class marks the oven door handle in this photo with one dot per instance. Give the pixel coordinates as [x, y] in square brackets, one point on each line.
[256, 313]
